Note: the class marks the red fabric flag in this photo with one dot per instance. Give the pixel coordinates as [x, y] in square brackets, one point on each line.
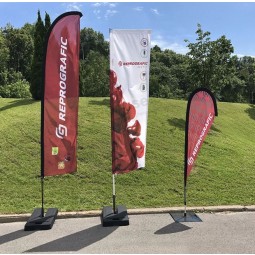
[201, 110]
[61, 96]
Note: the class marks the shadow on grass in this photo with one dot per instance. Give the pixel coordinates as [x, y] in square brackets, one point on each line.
[14, 235]
[251, 111]
[215, 129]
[104, 102]
[17, 103]
[172, 228]
[76, 241]
[177, 123]
[180, 124]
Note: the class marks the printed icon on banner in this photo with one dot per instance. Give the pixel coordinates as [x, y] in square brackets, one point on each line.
[144, 53]
[67, 158]
[54, 151]
[120, 63]
[143, 87]
[61, 165]
[144, 42]
[143, 75]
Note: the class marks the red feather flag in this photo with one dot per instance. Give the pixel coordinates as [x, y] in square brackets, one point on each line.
[61, 96]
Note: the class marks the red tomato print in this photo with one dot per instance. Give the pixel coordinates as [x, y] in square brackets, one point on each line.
[125, 150]
[135, 129]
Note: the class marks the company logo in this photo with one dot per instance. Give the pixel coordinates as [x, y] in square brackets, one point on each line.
[61, 131]
[201, 137]
[190, 161]
[132, 63]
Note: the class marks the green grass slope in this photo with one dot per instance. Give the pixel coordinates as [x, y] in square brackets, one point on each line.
[224, 172]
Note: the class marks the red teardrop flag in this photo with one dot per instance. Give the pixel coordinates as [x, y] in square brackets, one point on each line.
[201, 110]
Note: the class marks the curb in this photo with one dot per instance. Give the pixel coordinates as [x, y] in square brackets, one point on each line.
[6, 218]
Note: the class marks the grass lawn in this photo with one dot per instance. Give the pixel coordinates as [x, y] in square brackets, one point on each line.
[224, 172]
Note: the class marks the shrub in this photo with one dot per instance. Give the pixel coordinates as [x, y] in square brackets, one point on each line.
[19, 89]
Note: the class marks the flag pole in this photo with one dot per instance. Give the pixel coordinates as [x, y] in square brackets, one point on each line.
[185, 200]
[113, 194]
[186, 156]
[42, 135]
[42, 190]
[185, 181]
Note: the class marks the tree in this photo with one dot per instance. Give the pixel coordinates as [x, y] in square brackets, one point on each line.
[47, 22]
[94, 75]
[209, 60]
[20, 46]
[92, 40]
[37, 63]
[29, 29]
[4, 56]
[94, 63]
[232, 87]
[246, 72]
[162, 82]
[168, 76]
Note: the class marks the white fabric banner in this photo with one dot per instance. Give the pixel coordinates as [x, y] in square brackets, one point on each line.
[129, 87]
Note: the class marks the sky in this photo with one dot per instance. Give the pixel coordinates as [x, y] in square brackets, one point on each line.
[171, 22]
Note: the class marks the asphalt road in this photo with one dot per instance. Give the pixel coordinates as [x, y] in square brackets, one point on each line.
[232, 232]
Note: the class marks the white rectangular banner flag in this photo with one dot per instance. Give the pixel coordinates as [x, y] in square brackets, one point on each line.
[129, 92]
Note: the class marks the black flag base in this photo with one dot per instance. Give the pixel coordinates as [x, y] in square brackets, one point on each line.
[39, 222]
[119, 218]
[181, 217]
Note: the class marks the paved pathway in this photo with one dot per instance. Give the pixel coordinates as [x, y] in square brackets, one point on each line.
[232, 232]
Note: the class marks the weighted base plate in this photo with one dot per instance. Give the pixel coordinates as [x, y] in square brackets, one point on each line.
[120, 218]
[37, 222]
[190, 217]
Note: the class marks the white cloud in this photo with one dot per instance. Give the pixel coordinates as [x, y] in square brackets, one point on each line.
[110, 5]
[138, 8]
[110, 13]
[238, 55]
[74, 7]
[104, 9]
[164, 44]
[155, 11]
[241, 55]
[96, 4]
[97, 13]
[178, 48]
